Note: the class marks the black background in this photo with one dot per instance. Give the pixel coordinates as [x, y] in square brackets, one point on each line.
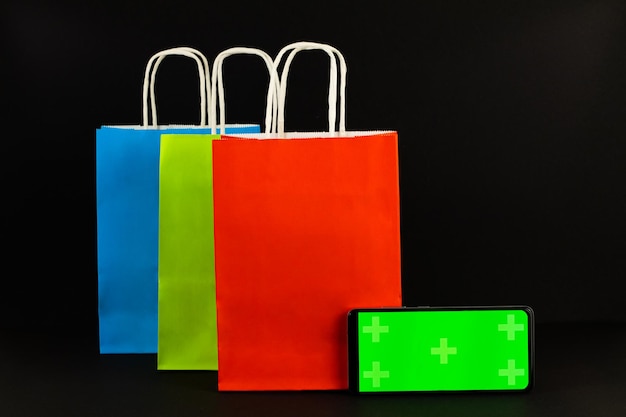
[512, 143]
[512, 136]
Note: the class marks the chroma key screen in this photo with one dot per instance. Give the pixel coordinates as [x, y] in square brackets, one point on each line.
[430, 349]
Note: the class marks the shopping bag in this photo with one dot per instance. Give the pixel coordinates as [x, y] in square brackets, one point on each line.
[127, 187]
[187, 338]
[307, 227]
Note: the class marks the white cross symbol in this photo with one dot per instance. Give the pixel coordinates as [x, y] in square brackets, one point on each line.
[375, 329]
[510, 372]
[376, 374]
[443, 350]
[510, 327]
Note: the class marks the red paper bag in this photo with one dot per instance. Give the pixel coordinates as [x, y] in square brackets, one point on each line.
[306, 227]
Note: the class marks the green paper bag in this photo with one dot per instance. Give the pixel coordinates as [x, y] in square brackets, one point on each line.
[187, 323]
[187, 317]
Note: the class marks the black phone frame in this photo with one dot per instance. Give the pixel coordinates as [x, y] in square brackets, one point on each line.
[353, 363]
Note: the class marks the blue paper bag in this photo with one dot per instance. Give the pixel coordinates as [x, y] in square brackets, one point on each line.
[127, 198]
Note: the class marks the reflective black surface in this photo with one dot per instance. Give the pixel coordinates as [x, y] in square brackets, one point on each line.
[580, 371]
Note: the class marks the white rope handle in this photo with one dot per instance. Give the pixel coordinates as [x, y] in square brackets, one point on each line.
[150, 77]
[206, 67]
[217, 84]
[332, 88]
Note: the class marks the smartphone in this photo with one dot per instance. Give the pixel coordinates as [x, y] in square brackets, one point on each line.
[441, 349]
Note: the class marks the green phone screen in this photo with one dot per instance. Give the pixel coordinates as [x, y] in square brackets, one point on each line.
[455, 350]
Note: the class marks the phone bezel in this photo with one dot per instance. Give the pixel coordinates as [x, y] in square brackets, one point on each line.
[353, 364]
